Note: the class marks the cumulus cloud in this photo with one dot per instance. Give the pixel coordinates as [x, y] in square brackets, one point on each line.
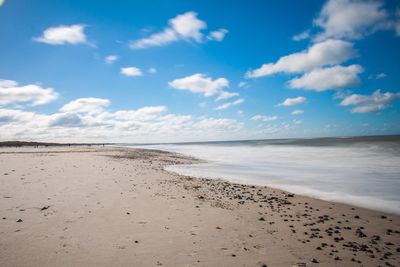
[76, 122]
[218, 35]
[351, 19]
[200, 83]
[185, 26]
[297, 112]
[289, 102]
[110, 59]
[131, 71]
[230, 104]
[63, 34]
[370, 103]
[66, 120]
[336, 77]
[86, 105]
[17, 116]
[264, 118]
[12, 93]
[329, 52]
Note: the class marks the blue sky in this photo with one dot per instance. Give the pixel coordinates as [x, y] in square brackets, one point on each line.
[154, 71]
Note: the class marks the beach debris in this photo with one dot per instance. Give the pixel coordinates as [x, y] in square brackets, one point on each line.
[19, 220]
[44, 208]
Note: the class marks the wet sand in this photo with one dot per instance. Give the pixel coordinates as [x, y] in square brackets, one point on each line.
[84, 206]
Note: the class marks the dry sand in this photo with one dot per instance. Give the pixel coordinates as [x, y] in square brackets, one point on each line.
[118, 207]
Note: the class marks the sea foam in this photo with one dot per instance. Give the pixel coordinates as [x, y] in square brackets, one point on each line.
[365, 174]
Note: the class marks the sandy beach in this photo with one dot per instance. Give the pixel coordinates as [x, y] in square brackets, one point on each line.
[95, 206]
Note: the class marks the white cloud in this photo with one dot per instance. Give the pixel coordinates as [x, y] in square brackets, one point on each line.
[297, 112]
[297, 122]
[152, 70]
[289, 102]
[17, 116]
[200, 83]
[131, 71]
[264, 118]
[12, 93]
[329, 52]
[377, 76]
[226, 95]
[111, 58]
[63, 34]
[302, 36]
[381, 75]
[142, 114]
[188, 26]
[66, 120]
[230, 104]
[243, 85]
[336, 77]
[218, 35]
[218, 124]
[370, 103]
[185, 26]
[86, 105]
[351, 19]
[76, 122]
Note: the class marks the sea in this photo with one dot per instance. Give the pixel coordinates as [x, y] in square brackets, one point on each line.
[361, 171]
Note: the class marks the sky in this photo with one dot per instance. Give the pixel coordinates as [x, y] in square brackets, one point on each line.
[198, 70]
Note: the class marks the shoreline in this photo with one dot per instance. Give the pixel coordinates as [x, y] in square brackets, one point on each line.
[213, 221]
[358, 199]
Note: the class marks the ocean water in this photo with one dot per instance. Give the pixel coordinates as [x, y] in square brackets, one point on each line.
[362, 171]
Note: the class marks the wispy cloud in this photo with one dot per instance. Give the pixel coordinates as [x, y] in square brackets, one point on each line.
[218, 35]
[289, 102]
[230, 104]
[297, 112]
[111, 58]
[264, 118]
